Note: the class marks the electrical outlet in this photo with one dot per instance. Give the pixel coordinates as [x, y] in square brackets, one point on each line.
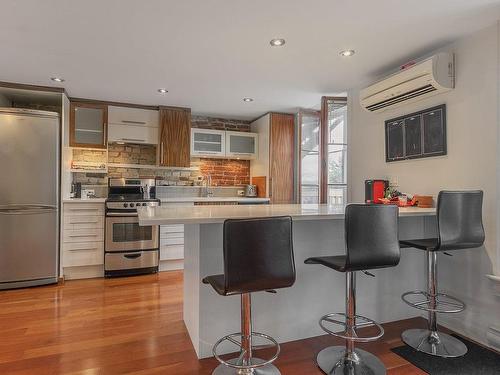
[393, 181]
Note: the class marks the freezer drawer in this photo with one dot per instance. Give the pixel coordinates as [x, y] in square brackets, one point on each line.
[130, 260]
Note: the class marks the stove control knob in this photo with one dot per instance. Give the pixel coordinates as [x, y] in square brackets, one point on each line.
[144, 204]
[131, 205]
[125, 205]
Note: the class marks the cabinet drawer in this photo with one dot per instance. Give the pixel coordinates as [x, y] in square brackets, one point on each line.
[172, 241]
[172, 252]
[87, 209]
[83, 222]
[133, 116]
[139, 259]
[178, 228]
[171, 235]
[83, 254]
[83, 235]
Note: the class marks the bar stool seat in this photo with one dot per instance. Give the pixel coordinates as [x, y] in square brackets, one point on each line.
[258, 257]
[337, 263]
[371, 242]
[422, 243]
[217, 282]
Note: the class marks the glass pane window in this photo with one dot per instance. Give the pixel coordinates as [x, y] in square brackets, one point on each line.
[309, 123]
[336, 152]
[337, 166]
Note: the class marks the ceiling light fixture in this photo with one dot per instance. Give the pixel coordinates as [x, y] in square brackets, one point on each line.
[247, 100]
[278, 42]
[57, 79]
[162, 91]
[347, 53]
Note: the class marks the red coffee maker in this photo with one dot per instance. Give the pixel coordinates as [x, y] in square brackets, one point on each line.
[375, 189]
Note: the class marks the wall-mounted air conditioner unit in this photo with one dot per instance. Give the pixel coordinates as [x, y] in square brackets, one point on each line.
[431, 76]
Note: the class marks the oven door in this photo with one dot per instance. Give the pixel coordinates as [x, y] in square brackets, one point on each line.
[123, 233]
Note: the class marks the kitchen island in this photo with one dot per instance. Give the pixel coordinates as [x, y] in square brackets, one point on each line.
[292, 313]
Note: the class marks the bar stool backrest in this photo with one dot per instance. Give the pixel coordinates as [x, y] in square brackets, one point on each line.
[460, 220]
[258, 254]
[371, 233]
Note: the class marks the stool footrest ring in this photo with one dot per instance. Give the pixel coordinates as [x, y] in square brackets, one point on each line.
[444, 303]
[360, 322]
[237, 365]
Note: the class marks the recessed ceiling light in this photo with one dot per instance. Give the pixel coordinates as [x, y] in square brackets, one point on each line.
[162, 91]
[57, 79]
[347, 53]
[247, 100]
[277, 42]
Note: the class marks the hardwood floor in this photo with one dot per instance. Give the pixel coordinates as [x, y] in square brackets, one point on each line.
[132, 326]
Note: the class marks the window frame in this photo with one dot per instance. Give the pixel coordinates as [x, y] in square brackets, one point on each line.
[324, 185]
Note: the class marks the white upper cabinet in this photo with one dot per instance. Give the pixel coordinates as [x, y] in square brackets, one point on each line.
[133, 116]
[132, 125]
[208, 143]
[241, 145]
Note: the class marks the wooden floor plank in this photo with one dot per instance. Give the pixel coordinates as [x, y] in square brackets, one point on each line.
[133, 326]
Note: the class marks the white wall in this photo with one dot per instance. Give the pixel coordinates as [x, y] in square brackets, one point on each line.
[471, 163]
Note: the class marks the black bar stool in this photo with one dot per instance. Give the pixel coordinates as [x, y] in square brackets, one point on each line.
[371, 237]
[460, 226]
[258, 256]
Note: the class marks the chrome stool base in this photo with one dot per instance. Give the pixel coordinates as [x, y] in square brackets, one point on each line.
[434, 343]
[269, 369]
[333, 361]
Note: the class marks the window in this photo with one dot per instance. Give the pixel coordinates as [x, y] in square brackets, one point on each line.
[310, 157]
[323, 153]
[334, 116]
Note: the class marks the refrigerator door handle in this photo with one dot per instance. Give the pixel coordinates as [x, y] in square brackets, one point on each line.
[26, 209]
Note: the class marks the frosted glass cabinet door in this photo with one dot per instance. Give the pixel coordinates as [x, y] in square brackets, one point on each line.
[88, 125]
[241, 145]
[208, 143]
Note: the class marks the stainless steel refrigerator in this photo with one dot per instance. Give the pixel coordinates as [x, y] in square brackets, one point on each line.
[29, 197]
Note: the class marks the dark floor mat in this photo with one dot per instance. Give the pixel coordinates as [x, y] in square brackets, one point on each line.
[477, 361]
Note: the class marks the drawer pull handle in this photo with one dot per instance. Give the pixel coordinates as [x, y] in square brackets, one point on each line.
[83, 235]
[132, 256]
[84, 249]
[83, 222]
[134, 122]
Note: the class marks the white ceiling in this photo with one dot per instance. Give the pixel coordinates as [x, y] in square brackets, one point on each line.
[210, 54]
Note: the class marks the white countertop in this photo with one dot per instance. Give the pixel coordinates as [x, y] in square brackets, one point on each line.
[178, 200]
[213, 199]
[217, 214]
[80, 200]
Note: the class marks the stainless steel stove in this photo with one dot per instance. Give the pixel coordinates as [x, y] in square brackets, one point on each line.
[130, 249]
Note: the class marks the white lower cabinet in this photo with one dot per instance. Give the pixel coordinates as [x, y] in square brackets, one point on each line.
[172, 243]
[83, 240]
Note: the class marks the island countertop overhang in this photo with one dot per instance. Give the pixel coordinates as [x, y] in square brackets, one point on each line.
[218, 214]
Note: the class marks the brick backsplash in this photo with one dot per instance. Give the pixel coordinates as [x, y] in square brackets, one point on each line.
[219, 124]
[132, 154]
[223, 172]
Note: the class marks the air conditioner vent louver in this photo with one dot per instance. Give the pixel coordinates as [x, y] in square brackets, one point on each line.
[431, 76]
[400, 98]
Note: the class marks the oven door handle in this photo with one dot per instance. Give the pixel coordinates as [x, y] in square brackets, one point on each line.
[114, 214]
[133, 256]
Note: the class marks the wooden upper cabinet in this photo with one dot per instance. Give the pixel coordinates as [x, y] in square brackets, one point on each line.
[174, 137]
[281, 158]
[88, 125]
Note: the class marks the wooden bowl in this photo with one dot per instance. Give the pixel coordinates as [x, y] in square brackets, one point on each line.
[423, 201]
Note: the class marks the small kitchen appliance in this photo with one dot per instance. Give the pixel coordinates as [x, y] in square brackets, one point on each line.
[130, 249]
[250, 191]
[375, 190]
